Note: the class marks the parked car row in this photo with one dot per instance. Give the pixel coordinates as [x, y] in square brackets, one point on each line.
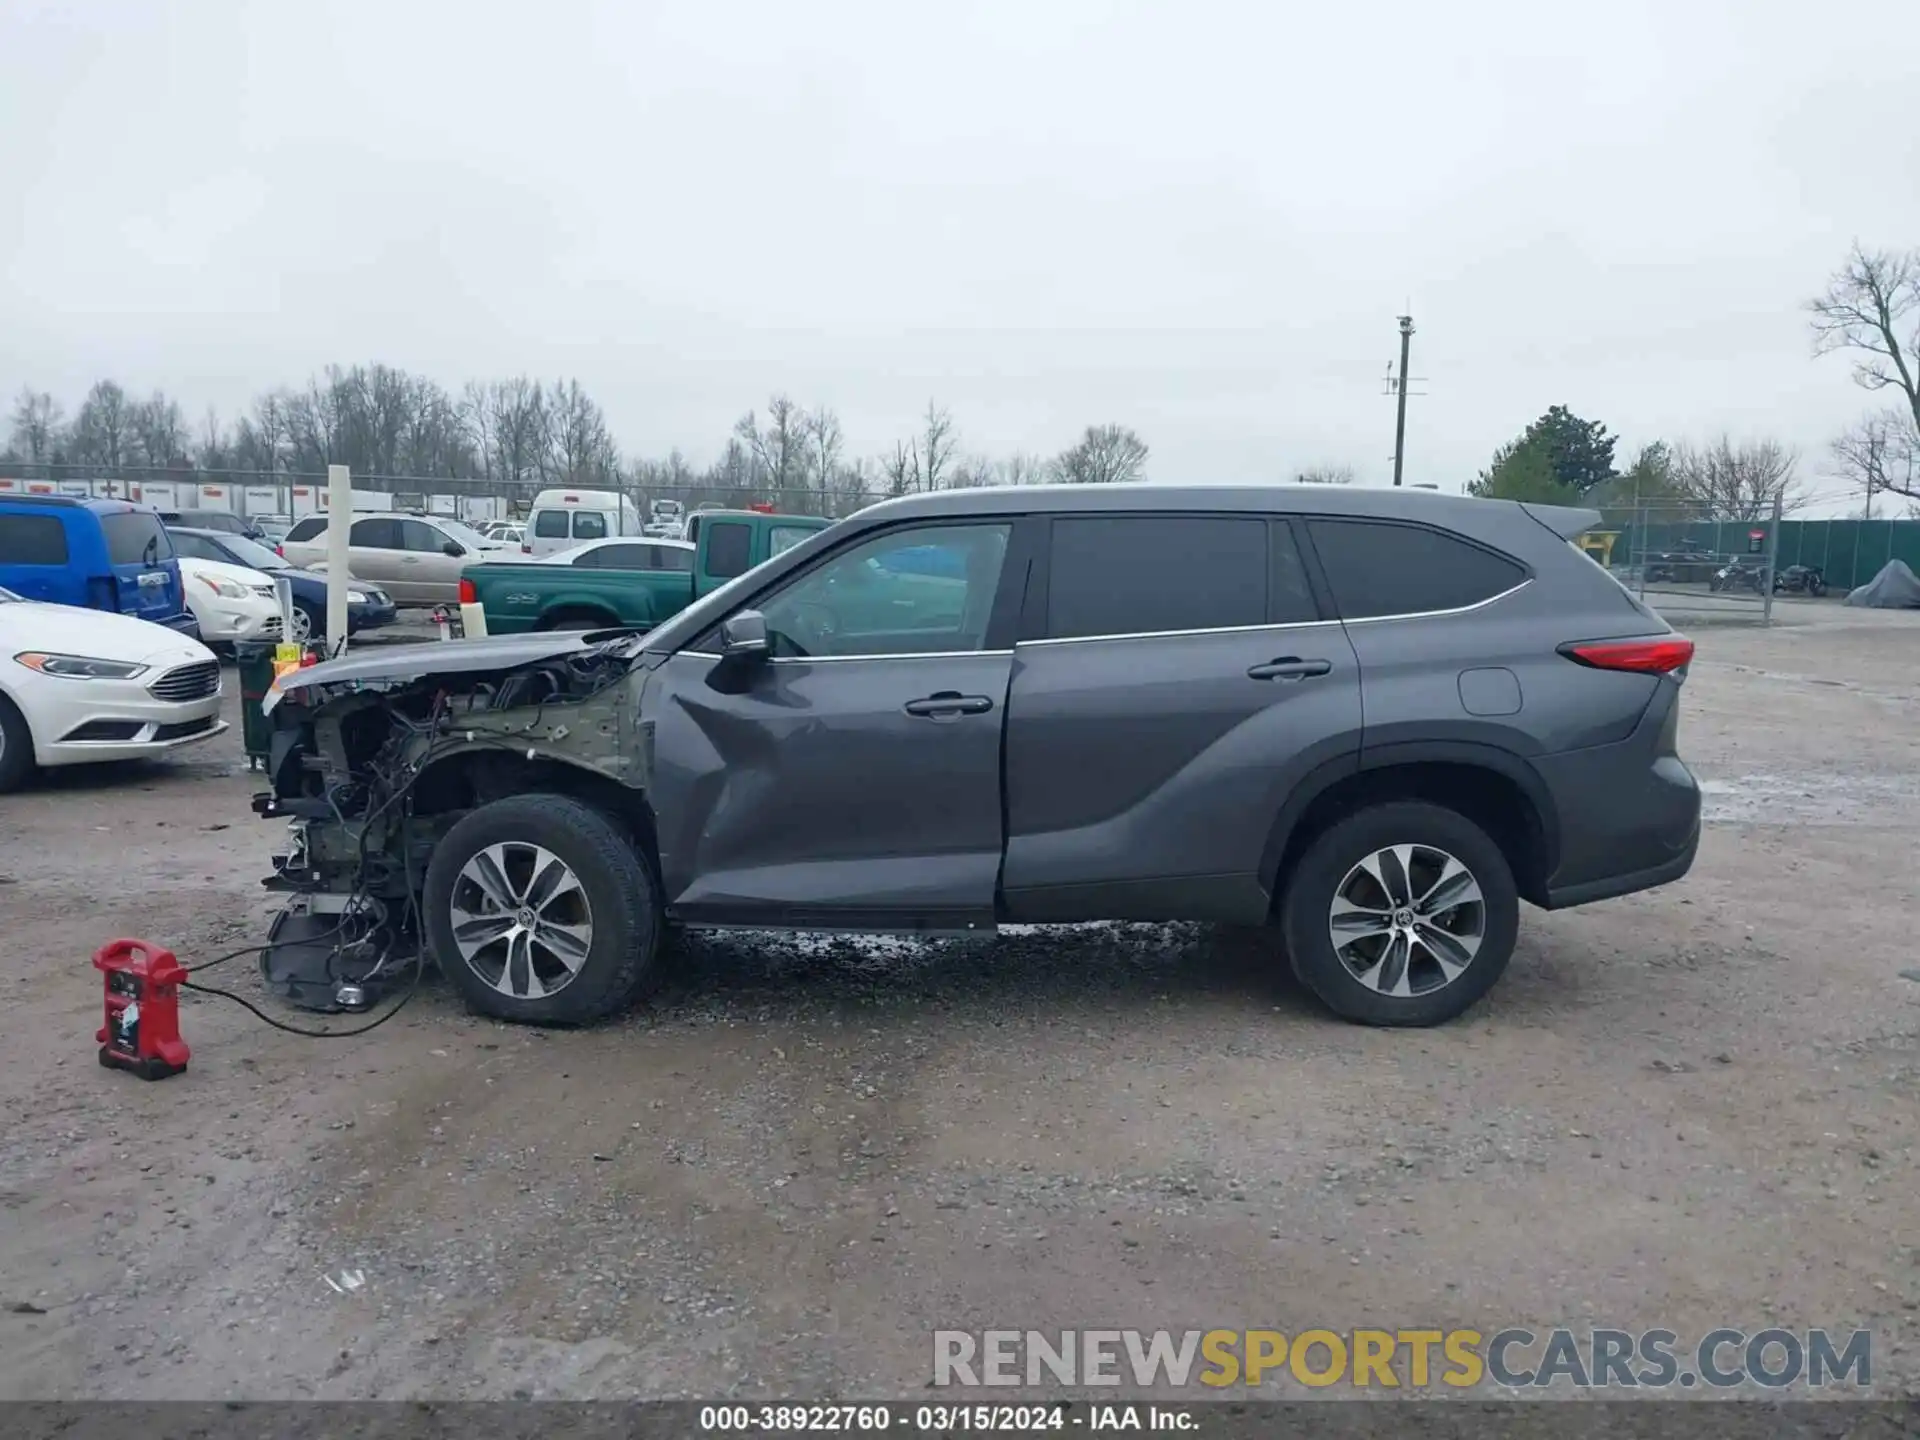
[415, 559]
[368, 606]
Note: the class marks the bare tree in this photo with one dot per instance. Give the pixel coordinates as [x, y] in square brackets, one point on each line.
[581, 448]
[780, 450]
[933, 448]
[1871, 311]
[211, 452]
[897, 468]
[37, 421]
[516, 413]
[1325, 475]
[974, 472]
[1021, 468]
[1737, 482]
[103, 430]
[1106, 455]
[1881, 454]
[825, 441]
[159, 432]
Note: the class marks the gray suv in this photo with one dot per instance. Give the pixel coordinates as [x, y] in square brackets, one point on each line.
[1375, 720]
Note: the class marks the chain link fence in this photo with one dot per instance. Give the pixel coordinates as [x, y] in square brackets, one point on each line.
[1693, 569]
[255, 492]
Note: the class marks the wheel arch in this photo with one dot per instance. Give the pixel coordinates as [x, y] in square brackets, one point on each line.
[593, 610]
[470, 777]
[1496, 789]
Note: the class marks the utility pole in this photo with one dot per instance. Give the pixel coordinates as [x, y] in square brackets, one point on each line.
[1400, 419]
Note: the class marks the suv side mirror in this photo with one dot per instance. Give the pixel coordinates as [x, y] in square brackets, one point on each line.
[452, 547]
[743, 636]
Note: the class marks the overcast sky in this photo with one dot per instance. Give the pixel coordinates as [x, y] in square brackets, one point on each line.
[1198, 219]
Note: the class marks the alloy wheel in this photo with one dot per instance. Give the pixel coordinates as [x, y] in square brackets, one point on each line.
[1407, 920]
[521, 920]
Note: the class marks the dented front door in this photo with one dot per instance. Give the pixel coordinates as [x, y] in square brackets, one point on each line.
[857, 792]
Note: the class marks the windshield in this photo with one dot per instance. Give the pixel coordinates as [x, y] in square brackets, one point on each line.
[252, 553]
[466, 535]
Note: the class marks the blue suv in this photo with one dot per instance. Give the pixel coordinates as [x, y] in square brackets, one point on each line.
[96, 554]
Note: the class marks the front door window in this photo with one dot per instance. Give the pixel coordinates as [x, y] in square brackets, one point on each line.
[928, 589]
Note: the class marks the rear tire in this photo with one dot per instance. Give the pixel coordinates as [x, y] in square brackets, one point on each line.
[592, 947]
[16, 747]
[1423, 983]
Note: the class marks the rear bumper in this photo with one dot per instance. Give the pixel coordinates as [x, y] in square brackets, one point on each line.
[1629, 814]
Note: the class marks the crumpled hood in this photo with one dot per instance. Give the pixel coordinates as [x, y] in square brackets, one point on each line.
[401, 663]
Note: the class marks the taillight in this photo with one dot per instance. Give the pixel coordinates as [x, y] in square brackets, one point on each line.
[1644, 657]
[468, 595]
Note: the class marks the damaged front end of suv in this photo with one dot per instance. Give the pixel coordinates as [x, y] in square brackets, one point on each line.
[375, 758]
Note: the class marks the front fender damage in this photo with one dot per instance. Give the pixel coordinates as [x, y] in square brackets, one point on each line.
[372, 763]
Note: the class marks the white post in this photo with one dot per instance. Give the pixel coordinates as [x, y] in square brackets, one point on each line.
[339, 571]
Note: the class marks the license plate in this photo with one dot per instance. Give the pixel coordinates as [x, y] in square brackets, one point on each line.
[152, 579]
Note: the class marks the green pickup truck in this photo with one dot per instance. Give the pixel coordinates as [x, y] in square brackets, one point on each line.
[632, 580]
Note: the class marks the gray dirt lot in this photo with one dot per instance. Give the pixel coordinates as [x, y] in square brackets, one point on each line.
[1684, 1109]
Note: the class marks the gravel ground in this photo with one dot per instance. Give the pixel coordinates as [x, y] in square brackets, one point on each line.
[1683, 1109]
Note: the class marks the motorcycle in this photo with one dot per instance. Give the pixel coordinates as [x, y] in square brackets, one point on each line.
[1801, 580]
[1736, 576]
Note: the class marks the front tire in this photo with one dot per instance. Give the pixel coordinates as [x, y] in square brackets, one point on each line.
[16, 747]
[540, 911]
[1403, 914]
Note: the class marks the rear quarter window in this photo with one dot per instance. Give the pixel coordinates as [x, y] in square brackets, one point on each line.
[1381, 567]
[135, 537]
[308, 528]
[32, 540]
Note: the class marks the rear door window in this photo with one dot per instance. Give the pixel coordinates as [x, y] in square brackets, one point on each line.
[1152, 574]
[376, 534]
[669, 557]
[729, 549]
[32, 540]
[135, 537]
[550, 525]
[1382, 567]
[589, 525]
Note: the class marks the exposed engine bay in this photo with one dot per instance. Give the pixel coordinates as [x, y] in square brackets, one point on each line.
[374, 758]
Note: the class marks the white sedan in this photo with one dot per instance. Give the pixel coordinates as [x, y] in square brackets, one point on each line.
[81, 685]
[230, 602]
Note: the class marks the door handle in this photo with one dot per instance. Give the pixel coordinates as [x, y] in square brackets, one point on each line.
[1288, 667]
[948, 703]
